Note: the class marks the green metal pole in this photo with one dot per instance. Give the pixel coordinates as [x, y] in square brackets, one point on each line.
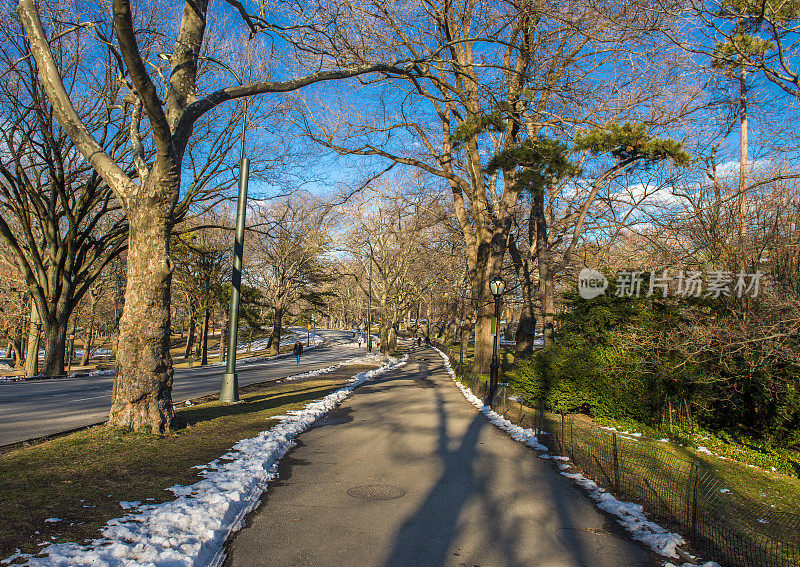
[369, 310]
[229, 392]
[495, 366]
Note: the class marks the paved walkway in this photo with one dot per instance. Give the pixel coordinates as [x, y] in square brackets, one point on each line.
[472, 496]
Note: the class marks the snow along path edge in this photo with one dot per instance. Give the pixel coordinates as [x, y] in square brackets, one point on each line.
[192, 529]
[629, 515]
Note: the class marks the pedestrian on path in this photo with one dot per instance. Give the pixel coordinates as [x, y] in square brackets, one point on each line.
[298, 350]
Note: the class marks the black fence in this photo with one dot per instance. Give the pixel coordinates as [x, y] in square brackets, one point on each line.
[679, 491]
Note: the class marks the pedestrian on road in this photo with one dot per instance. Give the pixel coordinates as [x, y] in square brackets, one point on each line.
[419, 341]
[427, 340]
[360, 341]
[298, 350]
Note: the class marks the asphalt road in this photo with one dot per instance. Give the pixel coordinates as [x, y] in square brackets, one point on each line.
[36, 408]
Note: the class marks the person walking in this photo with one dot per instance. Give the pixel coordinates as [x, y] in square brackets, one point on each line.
[298, 350]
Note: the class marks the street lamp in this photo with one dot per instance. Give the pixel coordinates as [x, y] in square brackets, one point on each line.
[229, 392]
[497, 286]
[369, 310]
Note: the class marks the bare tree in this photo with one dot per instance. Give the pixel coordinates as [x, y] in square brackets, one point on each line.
[287, 256]
[505, 74]
[142, 388]
[61, 224]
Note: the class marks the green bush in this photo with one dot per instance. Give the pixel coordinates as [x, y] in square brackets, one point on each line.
[622, 358]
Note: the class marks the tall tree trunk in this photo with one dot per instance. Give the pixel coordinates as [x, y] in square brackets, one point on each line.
[450, 334]
[391, 341]
[526, 329]
[275, 339]
[19, 359]
[55, 342]
[87, 340]
[204, 336]
[483, 333]
[190, 335]
[142, 395]
[87, 344]
[428, 319]
[383, 324]
[32, 357]
[546, 283]
[464, 340]
[742, 256]
[222, 336]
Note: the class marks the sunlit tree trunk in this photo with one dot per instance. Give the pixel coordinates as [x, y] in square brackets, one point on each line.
[142, 395]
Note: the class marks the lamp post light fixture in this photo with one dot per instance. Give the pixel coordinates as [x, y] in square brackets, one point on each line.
[71, 337]
[497, 286]
[229, 391]
[369, 310]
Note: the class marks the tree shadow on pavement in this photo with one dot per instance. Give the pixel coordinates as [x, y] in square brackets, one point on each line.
[469, 477]
[427, 536]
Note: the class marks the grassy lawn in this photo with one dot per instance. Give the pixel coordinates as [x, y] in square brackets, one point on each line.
[754, 506]
[82, 478]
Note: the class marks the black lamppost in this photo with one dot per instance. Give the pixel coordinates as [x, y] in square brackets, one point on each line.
[229, 392]
[497, 286]
[369, 310]
[71, 338]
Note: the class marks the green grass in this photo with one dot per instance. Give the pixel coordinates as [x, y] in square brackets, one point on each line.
[82, 477]
[760, 486]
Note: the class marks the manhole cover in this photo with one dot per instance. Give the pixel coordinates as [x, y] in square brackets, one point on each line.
[376, 492]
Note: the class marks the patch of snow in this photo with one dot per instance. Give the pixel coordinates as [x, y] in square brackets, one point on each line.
[52, 520]
[706, 564]
[17, 553]
[108, 372]
[705, 450]
[632, 517]
[191, 530]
